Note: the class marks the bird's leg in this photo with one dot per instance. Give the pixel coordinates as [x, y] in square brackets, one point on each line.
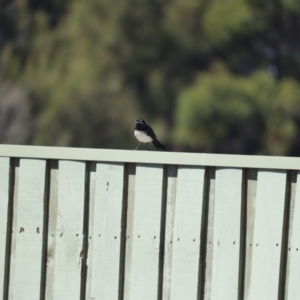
[137, 146]
[147, 146]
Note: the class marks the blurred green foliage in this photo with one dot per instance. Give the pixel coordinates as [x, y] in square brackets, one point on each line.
[227, 113]
[214, 76]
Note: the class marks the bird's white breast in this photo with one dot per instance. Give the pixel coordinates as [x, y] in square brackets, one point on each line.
[142, 136]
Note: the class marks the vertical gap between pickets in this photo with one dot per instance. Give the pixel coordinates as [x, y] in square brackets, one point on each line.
[12, 167]
[84, 251]
[290, 178]
[243, 235]
[162, 232]
[208, 176]
[127, 170]
[45, 230]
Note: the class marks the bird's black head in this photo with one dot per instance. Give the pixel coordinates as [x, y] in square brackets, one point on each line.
[140, 124]
[141, 121]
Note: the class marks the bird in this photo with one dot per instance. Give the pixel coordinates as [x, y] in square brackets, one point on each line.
[145, 134]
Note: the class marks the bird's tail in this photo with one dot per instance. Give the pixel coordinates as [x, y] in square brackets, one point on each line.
[158, 145]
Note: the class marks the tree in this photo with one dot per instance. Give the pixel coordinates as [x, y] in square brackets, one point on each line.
[92, 67]
[224, 113]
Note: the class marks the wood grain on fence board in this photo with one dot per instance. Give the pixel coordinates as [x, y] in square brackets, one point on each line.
[141, 279]
[107, 213]
[186, 235]
[65, 249]
[4, 205]
[226, 234]
[264, 252]
[28, 234]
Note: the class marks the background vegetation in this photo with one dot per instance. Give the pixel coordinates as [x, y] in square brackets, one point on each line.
[208, 75]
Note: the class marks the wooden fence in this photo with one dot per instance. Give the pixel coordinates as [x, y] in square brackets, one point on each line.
[138, 225]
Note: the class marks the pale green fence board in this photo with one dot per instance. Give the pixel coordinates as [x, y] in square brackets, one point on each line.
[4, 203]
[226, 234]
[152, 157]
[28, 233]
[141, 281]
[264, 252]
[251, 202]
[293, 262]
[129, 227]
[68, 254]
[186, 237]
[170, 212]
[107, 215]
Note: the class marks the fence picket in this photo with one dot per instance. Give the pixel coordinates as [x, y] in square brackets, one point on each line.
[106, 237]
[224, 236]
[264, 250]
[28, 233]
[186, 235]
[53, 193]
[170, 213]
[65, 242]
[142, 264]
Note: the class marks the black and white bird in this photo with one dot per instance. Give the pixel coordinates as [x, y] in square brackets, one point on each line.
[145, 134]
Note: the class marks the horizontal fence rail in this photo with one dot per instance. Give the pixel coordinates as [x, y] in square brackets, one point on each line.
[111, 224]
